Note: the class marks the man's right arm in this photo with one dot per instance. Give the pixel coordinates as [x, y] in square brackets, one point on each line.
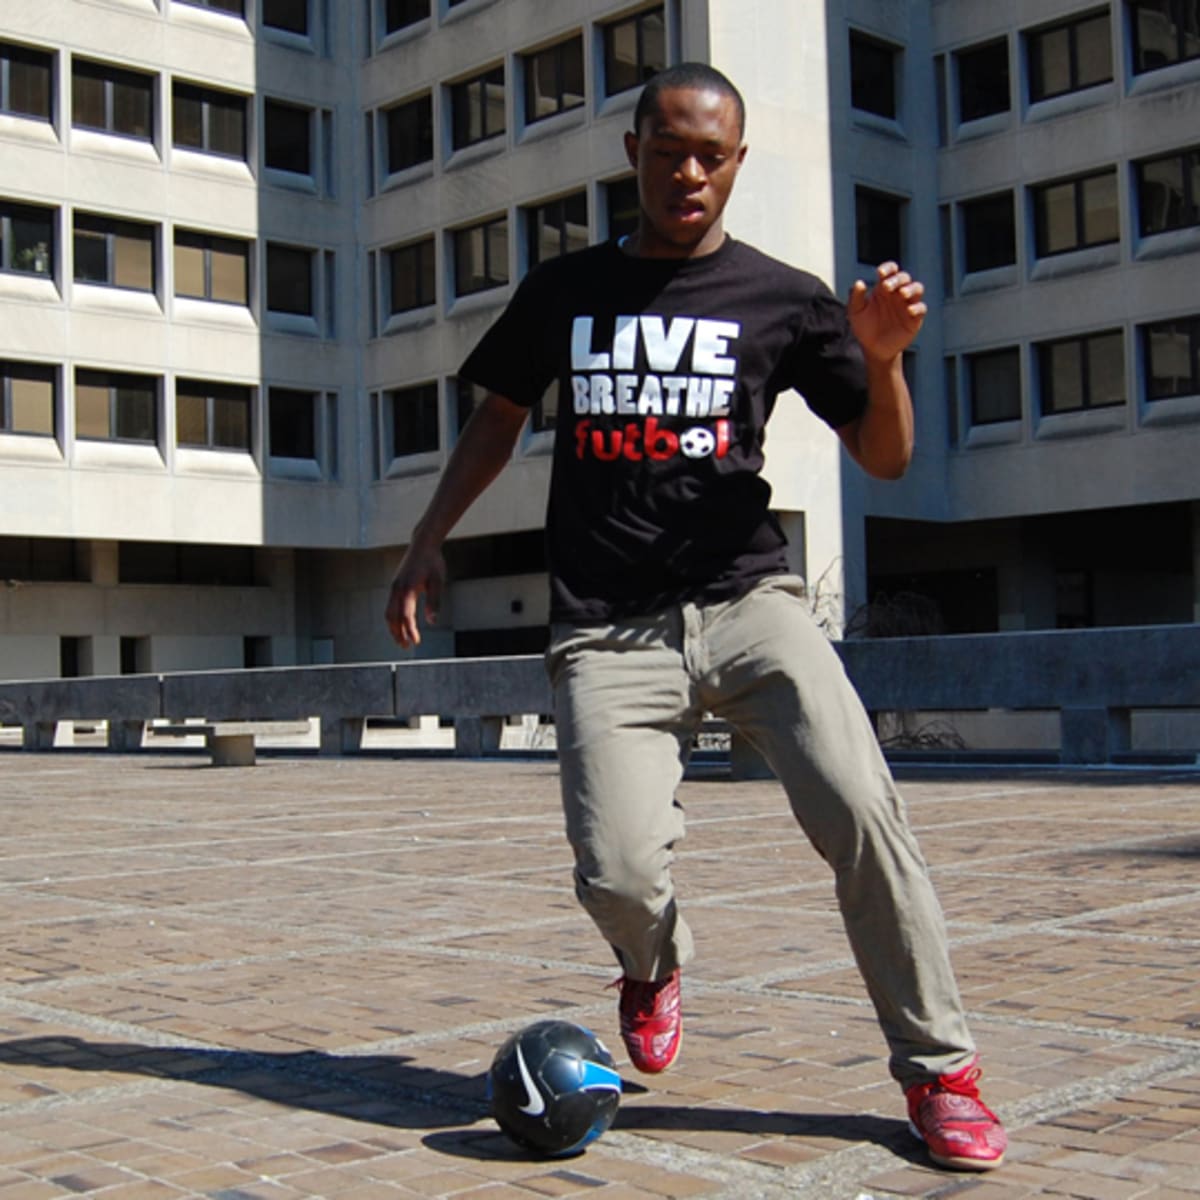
[484, 446]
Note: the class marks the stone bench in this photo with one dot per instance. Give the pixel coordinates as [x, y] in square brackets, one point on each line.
[231, 743]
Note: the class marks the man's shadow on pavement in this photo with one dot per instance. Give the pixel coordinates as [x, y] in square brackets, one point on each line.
[393, 1090]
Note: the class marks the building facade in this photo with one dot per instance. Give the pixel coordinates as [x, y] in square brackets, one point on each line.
[244, 245]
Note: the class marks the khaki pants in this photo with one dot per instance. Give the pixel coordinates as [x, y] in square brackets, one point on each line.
[628, 699]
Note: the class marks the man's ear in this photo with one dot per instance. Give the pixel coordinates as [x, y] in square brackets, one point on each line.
[741, 154]
[631, 148]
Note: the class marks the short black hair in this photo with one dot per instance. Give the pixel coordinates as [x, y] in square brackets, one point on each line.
[696, 75]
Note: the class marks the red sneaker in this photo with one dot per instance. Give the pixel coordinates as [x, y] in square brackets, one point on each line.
[959, 1129]
[651, 1023]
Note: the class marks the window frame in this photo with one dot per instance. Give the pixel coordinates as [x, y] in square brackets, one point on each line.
[16, 369]
[115, 382]
[490, 281]
[640, 68]
[1139, 67]
[969, 211]
[1190, 189]
[428, 418]
[865, 84]
[421, 131]
[112, 230]
[533, 217]
[873, 195]
[209, 98]
[422, 268]
[1038, 192]
[464, 106]
[973, 362]
[556, 54]
[274, 421]
[267, 23]
[976, 51]
[1045, 372]
[11, 52]
[276, 251]
[1191, 324]
[389, 29]
[227, 8]
[207, 243]
[211, 392]
[272, 104]
[115, 80]
[11, 210]
[1071, 26]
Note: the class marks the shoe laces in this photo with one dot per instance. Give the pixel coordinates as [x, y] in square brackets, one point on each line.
[639, 996]
[961, 1083]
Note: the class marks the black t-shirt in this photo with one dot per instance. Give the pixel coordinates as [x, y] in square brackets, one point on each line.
[667, 373]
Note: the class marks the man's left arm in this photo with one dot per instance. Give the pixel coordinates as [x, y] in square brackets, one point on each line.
[885, 319]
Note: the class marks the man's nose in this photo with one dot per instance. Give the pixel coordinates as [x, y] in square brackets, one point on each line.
[690, 170]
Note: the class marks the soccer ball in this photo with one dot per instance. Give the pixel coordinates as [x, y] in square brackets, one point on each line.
[697, 442]
[554, 1088]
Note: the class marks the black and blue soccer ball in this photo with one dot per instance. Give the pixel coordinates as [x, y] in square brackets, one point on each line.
[554, 1088]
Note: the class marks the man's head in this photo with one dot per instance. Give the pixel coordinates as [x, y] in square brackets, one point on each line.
[686, 146]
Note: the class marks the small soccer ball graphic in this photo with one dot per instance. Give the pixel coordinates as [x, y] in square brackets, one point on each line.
[554, 1088]
[697, 442]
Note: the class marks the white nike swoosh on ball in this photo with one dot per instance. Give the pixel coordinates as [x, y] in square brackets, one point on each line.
[537, 1104]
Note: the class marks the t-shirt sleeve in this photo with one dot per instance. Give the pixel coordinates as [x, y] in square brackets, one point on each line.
[826, 365]
[512, 358]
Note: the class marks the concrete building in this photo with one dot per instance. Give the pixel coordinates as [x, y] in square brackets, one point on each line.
[244, 245]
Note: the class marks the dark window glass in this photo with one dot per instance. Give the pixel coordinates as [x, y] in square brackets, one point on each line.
[26, 82]
[1163, 32]
[287, 137]
[212, 268]
[409, 133]
[213, 416]
[233, 7]
[1169, 192]
[39, 559]
[112, 100]
[26, 239]
[481, 256]
[115, 406]
[209, 120]
[621, 201]
[289, 279]
[477, 108]
[554, 80]
[989, 232]
[27, 399]
[872, 75]
[412, 277]
[398, 14]
[878, 226]
[1171, 358]
[556, 227]
[289, 15]
[1069, 57]
[1074, 213]
[414, 412]
[995, 386]
[117, 253]
[983, 87]
[635, 48]
[184, 563]
[1078, 373]
[292, 423]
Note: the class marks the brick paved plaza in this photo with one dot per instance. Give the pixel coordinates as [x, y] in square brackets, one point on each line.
[288, 980]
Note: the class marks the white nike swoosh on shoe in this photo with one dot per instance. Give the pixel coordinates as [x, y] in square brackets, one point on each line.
[537, 1103]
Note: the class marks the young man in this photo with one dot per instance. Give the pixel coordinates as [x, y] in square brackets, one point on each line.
[670, 595]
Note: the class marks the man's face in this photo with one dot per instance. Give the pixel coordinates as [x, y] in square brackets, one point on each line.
[687, 154]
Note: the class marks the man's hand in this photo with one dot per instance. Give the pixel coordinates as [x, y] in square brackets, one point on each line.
[887, 317]
[422, 573]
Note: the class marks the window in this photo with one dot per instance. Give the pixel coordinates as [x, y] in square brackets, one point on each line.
[115, 253]
[26, 239]
[623, 206]
[1079, 373]
[112, 100]
[1171, 358]
[185, 563]
[872, 75]
[481, 256]
[477, 108]
[288, 15]
[398, 14]
[413, 412]
[114, 406]
[1074, 213]
[1069, 57]
[995, 386]
[412, 276]
[292, 423]
[468, 397]
[212, 416]
[26, 82]
[1168, 191]
[556, 227]
[39, 559]
[27, 398]
[1163, 32]
[553, 80]
[989, 232]
[983, 80]
[878, 226]
[634, 49]
[232, 7]
[409, 133]
[212, 268]
[290, 280]
[287, 137]
[211, 121]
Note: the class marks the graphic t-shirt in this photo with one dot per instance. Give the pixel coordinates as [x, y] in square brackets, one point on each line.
[667, 373]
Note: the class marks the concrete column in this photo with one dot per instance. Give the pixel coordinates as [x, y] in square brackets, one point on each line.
[124, 737]
[1093, 735]
[476, 736]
